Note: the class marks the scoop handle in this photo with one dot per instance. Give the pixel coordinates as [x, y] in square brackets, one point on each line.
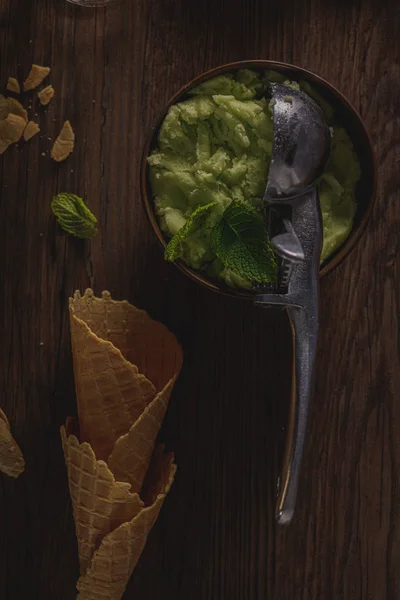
[304, 343]
[303, 316]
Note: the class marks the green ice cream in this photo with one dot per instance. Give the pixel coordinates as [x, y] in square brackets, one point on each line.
[213, 152]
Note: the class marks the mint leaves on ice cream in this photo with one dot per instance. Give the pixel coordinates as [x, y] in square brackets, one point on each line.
[241, 242]
[209, 172]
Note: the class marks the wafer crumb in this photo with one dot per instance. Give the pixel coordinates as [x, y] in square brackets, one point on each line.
[35, 77]
[64, 144]
[46, 94]
[13, 85]
[31, 129]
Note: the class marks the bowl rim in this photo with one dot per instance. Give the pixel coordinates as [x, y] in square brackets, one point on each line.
[265, 64]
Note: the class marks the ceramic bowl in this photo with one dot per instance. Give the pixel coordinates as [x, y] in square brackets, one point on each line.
[345, 113]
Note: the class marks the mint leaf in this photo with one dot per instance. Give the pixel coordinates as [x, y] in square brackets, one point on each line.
[241, 242]
[74, 216]
[174, 250]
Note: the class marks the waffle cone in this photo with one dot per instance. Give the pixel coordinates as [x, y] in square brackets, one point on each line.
[100, 504]
[111, 392]
[11, 460]
[115, 559]
[142, 341]
[132, 452]
[125, 367]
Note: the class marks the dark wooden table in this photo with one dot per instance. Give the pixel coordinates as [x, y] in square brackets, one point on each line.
[216, 539]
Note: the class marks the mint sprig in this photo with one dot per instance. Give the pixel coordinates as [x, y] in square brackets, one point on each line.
[175, 249]
[241, 242]
[74, 216]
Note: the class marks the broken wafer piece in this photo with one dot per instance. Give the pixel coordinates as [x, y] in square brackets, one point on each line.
[16, 108]
[13, 85]
[35, 77]
[46, 94]
[11, 460]
[118, 479]
[64, 144]
[4, 108]
[30, 130]
[11, 129]
[11, 105]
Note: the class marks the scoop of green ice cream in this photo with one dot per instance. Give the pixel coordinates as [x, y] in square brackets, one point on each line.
[215, 148]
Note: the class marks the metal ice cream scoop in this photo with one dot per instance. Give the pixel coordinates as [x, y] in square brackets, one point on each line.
[301, 147]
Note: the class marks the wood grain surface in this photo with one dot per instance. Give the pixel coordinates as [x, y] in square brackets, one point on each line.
[216, 539]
